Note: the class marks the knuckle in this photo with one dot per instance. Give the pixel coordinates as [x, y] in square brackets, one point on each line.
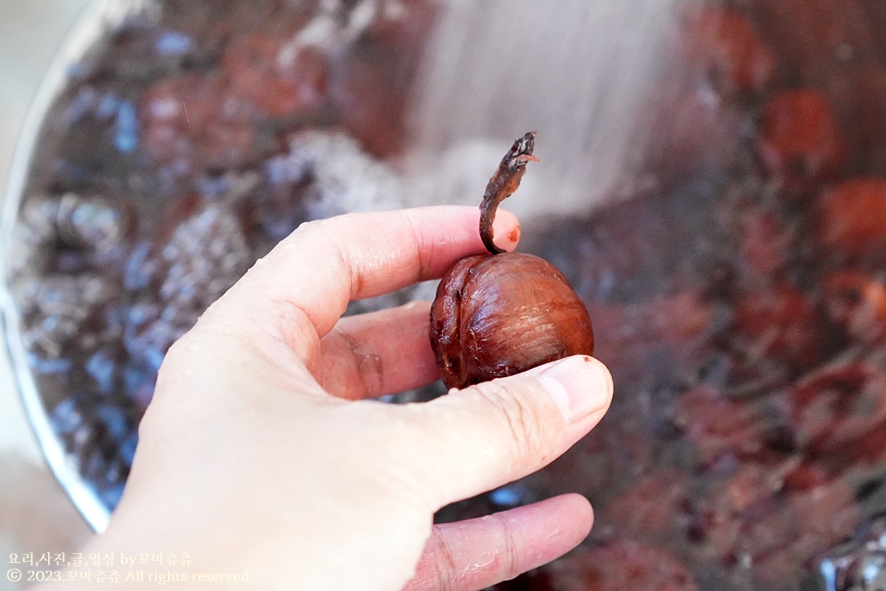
[509, 552]
[366, 366]
[444, 563]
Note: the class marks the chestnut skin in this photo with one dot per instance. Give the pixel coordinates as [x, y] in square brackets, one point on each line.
[497, 315]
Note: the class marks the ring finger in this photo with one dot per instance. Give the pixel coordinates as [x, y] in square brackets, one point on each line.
[477, 553]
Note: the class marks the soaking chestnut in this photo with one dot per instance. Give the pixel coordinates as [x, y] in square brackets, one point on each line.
[502, 313]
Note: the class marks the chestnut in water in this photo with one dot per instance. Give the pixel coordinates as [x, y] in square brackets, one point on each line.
[502, 313]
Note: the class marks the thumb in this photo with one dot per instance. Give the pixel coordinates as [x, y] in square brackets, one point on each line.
[484, 436]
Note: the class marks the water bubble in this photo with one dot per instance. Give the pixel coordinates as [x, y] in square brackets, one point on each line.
[140, 268]
[854, 566]
[48, 366]
[126, 135]
[114, 420]
[108, 106]
[876, 531]
[66, 417]
[101, 367]
[173, 43]
[870, 574]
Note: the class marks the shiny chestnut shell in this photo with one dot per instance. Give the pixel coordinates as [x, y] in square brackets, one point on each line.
[497, 315]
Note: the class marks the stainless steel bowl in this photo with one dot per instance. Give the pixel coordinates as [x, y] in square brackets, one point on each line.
[92, 25]
[636, 145]
[565, 140]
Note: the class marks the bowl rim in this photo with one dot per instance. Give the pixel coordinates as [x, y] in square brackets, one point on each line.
[94, 21]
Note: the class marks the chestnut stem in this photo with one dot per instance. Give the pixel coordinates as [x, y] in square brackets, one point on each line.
[503, 184]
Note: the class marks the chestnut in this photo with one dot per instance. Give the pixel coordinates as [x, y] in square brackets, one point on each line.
[722, 44]
[502, 313]
[801, 142]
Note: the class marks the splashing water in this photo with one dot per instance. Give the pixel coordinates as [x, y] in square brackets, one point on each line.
[577, 71]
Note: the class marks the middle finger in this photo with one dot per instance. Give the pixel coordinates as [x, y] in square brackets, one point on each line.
[377, 353]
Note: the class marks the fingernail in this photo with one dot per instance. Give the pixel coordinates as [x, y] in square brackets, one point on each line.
[581, 385]
[506, 231]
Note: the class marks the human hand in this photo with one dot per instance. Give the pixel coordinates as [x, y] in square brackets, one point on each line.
[259, 453]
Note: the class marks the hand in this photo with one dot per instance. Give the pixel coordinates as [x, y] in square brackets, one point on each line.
[260, 455]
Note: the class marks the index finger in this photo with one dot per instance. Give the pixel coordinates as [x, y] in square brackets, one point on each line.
[306, 282]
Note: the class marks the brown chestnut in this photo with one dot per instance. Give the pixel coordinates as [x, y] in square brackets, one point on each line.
[503, 313]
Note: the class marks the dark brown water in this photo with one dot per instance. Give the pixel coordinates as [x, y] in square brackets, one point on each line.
[737, 283]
